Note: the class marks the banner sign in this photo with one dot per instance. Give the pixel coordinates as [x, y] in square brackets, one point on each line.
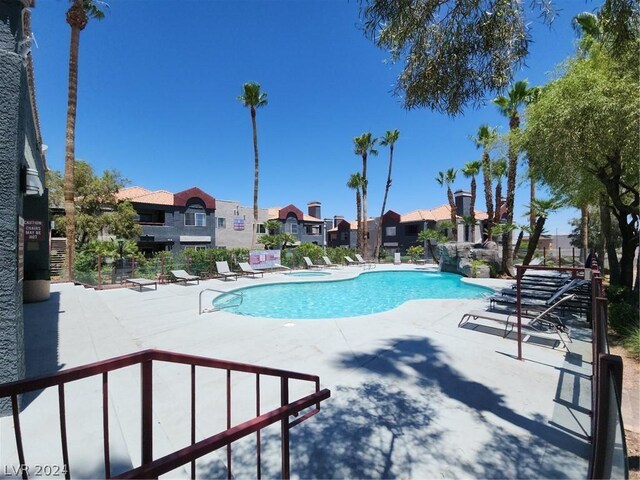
[263, 259]
[238, 224]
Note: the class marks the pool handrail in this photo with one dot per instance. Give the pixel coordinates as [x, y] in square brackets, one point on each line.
[216, 309]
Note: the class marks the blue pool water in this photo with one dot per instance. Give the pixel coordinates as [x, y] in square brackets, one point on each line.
[308, 273]
[368, 293]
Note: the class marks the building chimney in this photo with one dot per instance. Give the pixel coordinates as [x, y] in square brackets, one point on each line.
[314, 209]
[336, 220]
[463, 202]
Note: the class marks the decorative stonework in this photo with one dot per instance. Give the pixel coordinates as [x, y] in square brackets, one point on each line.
[457, 257]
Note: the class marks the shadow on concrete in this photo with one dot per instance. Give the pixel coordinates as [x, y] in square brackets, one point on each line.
[41, 340]
[399, 423]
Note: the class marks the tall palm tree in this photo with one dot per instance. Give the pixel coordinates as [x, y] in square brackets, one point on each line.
[355, 183]
[390, 138]
[447, 179]
[77, 17]
[485, 138]
[470, 170]
[365, 146]
[498, 170]
[509, 105]
[253, 98]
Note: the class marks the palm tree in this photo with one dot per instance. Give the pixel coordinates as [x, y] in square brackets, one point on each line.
[77, 18]
[485, 138]
[498, 170]
[519, 96]
[364, 146]
[390, 138]
[253, 98]
[427, 235]
[541, 208]
[471, 169]
[447, 179]
[355, 183]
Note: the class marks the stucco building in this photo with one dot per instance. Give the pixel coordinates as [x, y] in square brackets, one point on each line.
[24, 222]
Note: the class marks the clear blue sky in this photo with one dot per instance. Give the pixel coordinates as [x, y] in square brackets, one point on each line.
[158, 87]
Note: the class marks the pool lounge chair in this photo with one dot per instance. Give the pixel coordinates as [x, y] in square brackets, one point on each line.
[544, 322]
[183, 276]
[224, 271]
[142, 282]
[350, 261]
[537, 303]
[396, 258]
[247, 270]
[327, 262]
[310, 264]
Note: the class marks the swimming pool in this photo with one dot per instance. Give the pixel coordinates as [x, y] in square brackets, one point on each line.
[308, 273]
[370, 292]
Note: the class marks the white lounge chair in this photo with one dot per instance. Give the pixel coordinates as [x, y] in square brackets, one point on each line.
[223, 269]
[350, 261]
[247, 270]
[396, 258]
[360, 260]
[328, 263]
[183, 276]
[310, 264]
[142, 282]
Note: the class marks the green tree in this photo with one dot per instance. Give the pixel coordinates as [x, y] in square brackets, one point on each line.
[355, 183]
[253, 98]
[77, 17]
[458, 52]
[273, 226]
[447, 179]
[584, 131]
[517, 97]
[96, 207]
[365, 146]
[485, 139]
[470, 170]
[428, 236]
[541, 209]
[389, 139]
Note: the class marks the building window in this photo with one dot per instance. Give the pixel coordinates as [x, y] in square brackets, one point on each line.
[294, 228]
[195, 219]
[411, 230]
[390, 231]
[222, 223]
[261, 228]
[344, 236]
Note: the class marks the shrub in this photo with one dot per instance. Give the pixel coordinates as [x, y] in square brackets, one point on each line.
[623, 317]
[632, 342]
[415, 252]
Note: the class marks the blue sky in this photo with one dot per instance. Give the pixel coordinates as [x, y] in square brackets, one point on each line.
[158, 87]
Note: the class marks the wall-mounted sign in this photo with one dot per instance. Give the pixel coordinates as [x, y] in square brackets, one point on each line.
[34, 231]
[238, 224]
[20, 249]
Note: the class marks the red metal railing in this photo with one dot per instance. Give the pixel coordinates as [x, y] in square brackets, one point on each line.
[606, 397]
[150, 467]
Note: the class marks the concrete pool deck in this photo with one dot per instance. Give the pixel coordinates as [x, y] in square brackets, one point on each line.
[412, 395]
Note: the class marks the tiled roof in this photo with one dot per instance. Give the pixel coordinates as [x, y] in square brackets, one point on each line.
[272, 213]
[159, 197]
[309, 218]
[129, 193]
[443, 212]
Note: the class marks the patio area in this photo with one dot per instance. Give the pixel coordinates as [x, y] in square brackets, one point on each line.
[412, 395]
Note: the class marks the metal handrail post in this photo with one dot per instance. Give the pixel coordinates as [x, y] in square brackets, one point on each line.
[146, 387]
[519, 309]
[284, 428]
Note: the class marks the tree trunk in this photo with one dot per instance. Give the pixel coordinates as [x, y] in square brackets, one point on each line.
[433, 253]
[516, 249]
[584, 232]
[507, 255]
[533, 241]
[497, 218]
[486, 173]
[532, 197]
[359, 219]
[454, 215]
[254, 234]
[69, 158]
[612, 256]
[384, 204]
[365, 241]
[472, 210]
